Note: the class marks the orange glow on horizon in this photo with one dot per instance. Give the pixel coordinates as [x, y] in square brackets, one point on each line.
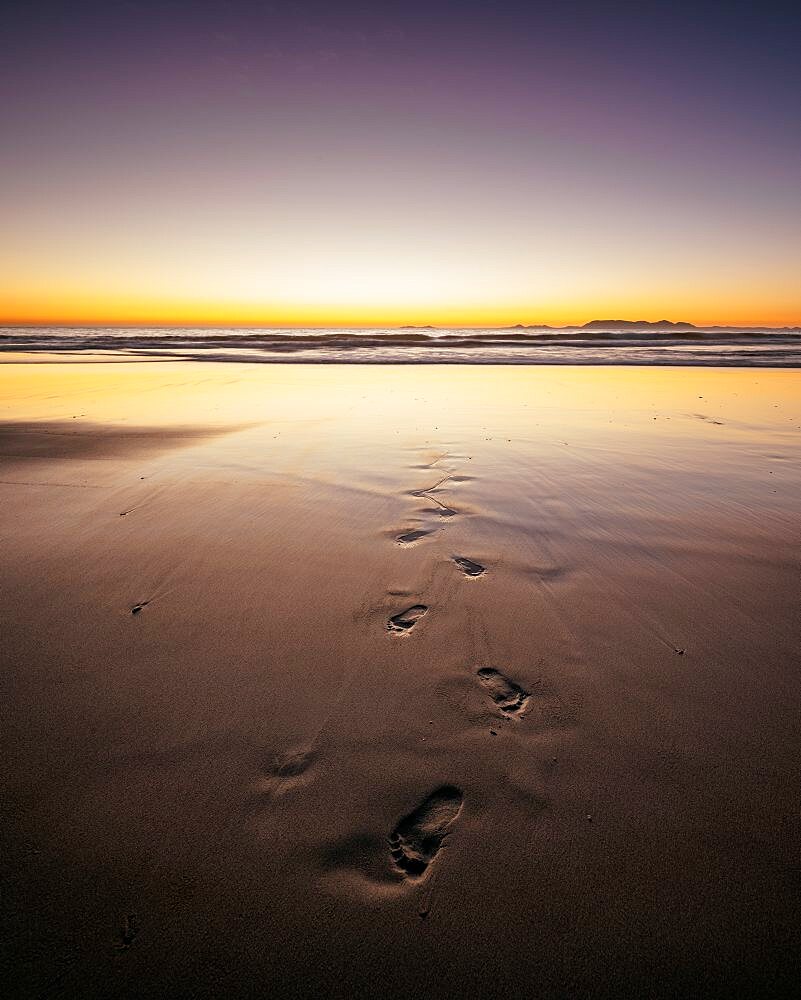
[331, 181]
[143, 312]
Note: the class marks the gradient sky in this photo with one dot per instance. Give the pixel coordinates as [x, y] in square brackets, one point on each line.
[445, 163]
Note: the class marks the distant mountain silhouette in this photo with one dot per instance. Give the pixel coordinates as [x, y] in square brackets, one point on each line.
[640, 324]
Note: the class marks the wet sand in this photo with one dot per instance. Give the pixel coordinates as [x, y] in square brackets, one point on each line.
[386, 681]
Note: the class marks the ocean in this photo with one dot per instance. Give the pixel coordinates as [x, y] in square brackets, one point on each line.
[696, 346]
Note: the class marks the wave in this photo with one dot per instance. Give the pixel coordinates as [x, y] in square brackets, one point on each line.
[516, 345]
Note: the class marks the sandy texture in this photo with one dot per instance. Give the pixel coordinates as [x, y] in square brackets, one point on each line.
[399, 682]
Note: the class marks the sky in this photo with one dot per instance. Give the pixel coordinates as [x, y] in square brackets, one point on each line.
[340, 164]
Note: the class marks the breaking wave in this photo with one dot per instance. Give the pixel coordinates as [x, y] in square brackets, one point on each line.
[517, 345]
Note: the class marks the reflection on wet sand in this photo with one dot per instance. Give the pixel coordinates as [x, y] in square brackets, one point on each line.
[308, 662]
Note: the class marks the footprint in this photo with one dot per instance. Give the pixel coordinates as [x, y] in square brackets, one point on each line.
[468, 567]
[415, 841]
[293, 764]
[508, 696]
[286, 772]
[412, 536]
[405, 620]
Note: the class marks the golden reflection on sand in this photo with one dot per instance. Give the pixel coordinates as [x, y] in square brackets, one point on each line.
[379, 396]
[405, 651]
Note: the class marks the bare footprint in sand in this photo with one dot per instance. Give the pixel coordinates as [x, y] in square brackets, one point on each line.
[405, 620]
[510, 698]
[284, 773]
[292, 764]
[412, 536]
[416, 840]
[468, 566]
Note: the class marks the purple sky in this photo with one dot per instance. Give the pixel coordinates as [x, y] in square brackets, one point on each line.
[401, 163]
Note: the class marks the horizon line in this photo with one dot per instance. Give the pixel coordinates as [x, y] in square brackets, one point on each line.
[116, 325]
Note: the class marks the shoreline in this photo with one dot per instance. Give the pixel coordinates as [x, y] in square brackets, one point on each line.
[65, 357]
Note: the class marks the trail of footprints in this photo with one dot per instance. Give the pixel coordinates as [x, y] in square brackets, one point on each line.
[416, 840]
[404, 621]
[418, 837]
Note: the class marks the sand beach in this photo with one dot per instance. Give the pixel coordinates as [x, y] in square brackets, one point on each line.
[359, 681]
